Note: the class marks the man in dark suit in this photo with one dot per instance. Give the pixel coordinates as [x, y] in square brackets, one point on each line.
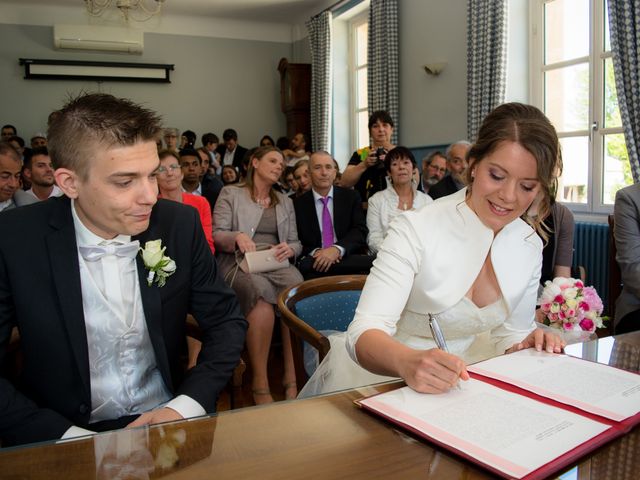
[331, 225]
[230, 152]
[191, 165]
[102, 325]
[456, 165]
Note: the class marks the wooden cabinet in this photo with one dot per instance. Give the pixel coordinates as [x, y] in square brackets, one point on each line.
[295, 96]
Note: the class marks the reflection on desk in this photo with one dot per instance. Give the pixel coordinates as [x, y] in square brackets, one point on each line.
[322, 437]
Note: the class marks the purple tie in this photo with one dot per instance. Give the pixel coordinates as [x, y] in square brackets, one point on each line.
[327, 224]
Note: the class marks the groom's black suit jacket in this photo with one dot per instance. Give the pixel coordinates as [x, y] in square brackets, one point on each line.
[40, 293]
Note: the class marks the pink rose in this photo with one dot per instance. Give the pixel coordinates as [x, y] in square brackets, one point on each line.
[562, 315]
[592, 299]
[584, 306]
[587, 325]
[558, 299]
[568, 326]
[579, 284]
[571, 312]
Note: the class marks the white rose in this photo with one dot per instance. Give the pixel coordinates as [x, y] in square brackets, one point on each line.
[561, 281]
[170, 267]
[571, 302]
[570, 293]
[549, 293]
[152, 253]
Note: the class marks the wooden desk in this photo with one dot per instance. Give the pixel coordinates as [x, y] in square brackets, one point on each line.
[323, 437]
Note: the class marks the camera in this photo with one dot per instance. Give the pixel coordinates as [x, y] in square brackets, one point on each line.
[380, 163]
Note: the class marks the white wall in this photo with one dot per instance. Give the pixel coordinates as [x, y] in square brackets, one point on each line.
[217, 82]
[433, 110]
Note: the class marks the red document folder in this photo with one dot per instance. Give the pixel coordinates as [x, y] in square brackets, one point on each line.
[505, 468]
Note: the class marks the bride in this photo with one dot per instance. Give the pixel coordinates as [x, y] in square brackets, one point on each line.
[472, 258]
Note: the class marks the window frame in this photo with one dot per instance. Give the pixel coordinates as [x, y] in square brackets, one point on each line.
[596, 132]
[354, 68]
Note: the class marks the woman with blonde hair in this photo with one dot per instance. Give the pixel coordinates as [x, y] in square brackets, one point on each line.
[247, 215]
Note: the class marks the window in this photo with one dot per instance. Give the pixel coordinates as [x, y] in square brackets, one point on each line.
[359, 34]
[573, 83]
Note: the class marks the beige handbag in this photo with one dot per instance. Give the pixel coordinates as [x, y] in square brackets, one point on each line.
[262, 260]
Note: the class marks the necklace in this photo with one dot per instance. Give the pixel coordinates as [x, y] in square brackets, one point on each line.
[263, 202]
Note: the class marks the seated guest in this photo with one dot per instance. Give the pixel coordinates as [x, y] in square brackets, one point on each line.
[39, 171]
[188, 139]
[170, 188]
[401, 196]
[298, 149]
[246, 216]
[456, 165]
[331, 225]
[111, 354]
[434, 168]
[302, 177]
[170, 137]
[7, 132]
[230, 175]
[38, 140]
[210, 143]
[478, 271]
[230, 152]
[267, 141]
[290, 181]
[191, 165]
[366, 172]
[11, 196]
[627, 237]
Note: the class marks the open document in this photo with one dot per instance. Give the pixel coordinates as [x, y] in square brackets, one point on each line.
[509, 430]
[589, 386]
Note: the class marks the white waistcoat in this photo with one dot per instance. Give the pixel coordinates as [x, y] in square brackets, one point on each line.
[122, 366]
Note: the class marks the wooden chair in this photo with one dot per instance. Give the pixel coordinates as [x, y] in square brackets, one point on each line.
[326, 303]
[615, 276]
[235, 384]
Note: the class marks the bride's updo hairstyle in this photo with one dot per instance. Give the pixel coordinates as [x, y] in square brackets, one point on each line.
[531, 129]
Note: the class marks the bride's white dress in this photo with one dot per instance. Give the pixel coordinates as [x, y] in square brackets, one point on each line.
[467, 328]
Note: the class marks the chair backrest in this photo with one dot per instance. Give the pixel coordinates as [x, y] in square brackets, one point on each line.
[329, 310]
[615, 277]
[326, 303]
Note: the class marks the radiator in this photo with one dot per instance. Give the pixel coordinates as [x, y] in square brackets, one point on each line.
[591, 250]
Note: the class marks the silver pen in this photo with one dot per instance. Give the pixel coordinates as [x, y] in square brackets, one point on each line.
[438, 337]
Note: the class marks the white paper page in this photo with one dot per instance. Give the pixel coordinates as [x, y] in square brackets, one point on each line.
[589, 386]
[512, 433]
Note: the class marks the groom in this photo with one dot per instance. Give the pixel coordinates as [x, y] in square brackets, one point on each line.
[103, 342]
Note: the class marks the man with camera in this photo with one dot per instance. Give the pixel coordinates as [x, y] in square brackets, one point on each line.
[366, 171]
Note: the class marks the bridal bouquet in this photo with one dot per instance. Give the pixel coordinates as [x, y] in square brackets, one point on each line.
[568, 305]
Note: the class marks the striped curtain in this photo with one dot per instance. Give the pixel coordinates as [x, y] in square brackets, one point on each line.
[486, 60]
[383, 60]
[319, 28]
[624, 25]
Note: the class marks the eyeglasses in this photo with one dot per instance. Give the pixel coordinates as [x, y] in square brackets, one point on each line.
[172, 167]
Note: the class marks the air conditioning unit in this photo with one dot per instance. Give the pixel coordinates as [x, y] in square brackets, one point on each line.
[109, 39]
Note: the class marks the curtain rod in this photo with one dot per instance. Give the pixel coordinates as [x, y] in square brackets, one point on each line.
[339, 5]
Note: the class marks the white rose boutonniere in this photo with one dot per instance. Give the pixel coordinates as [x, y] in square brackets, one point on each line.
[160, 266]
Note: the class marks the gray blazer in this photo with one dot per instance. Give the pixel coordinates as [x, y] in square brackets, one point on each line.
[627, 237]
[235, 212]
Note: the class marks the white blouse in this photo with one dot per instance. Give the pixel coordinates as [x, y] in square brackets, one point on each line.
[383, 208]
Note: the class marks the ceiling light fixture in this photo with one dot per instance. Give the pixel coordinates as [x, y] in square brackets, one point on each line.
[138, 10]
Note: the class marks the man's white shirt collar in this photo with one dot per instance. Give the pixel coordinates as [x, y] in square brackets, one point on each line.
[317, 196]
[85, 237]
